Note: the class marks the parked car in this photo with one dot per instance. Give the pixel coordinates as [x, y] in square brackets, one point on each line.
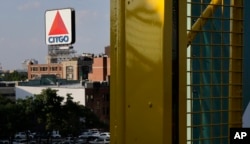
[82, 140]
[23, 135]
[55, 135]
[84, 135]
[94, 130]
[100, 140]
[91, 138]
[104, 135]
[69, 140]
[95, 134]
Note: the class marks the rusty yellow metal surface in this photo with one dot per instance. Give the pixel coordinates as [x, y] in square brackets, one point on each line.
[182, 18]
[148, 72]
[141, 72]
[236, 65]
[117, 88]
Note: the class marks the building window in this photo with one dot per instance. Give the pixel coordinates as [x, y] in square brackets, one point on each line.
[69, 69]
[54, 68]
[34, 68]
[43, 68]
[87, 98]
[69, 76]
[92, 98]
[69, 72]
[97, 105]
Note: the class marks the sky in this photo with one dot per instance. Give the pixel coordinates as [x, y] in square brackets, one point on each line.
[22, 29]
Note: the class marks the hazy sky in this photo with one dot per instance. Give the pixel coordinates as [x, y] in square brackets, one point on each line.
[22, 28]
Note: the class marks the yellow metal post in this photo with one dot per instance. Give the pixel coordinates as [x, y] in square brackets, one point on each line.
[141, 72]
[117, 88]
[235, 73]
[182, 26]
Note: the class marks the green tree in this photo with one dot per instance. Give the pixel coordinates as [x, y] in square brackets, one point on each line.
[71, 116]
[45, 112]
[48, 104]
[91, 119]
[15, 76]
[26, 114]
[7, 117]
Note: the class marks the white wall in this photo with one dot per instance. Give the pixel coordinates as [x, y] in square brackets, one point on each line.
[77, 93]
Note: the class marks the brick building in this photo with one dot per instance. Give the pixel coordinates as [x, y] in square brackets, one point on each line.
[36, 70]
[100, 69]
[97, 98]
[75, 69]
[90, 68]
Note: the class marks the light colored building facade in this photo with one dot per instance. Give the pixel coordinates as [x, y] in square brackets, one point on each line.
[70, 70]
[77, 92]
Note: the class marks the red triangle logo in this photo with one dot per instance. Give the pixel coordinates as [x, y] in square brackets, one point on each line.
[58, 26]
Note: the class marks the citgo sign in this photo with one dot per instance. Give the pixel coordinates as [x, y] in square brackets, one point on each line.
[60, 26]
[58, 39]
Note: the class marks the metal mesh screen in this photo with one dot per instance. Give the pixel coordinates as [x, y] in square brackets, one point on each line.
[214, 69]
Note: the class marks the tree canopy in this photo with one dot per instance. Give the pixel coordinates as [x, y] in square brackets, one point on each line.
[45, 112]
[14, 76]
